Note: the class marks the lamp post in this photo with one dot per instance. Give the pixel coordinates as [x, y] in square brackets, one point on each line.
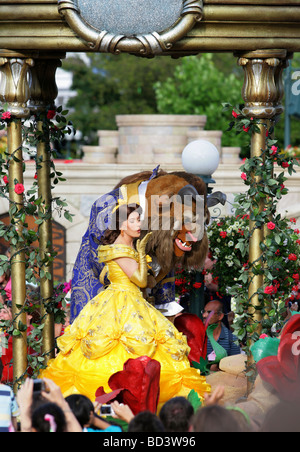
[202, 158]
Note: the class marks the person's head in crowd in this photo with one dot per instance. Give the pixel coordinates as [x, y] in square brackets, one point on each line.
[213, 312]
[283, 417]
[5, 312]
[145, 421]
[214, 418]
[5, 276]
[48, 417]
[176, 414]
[84, 411]
[33, 304]
[82, 408]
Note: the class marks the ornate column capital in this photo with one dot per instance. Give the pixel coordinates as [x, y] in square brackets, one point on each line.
[43, 83]
[15, 82]
[263, 88]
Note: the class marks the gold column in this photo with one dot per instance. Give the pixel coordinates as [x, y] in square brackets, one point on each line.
[43, 93]
[15, 91]
[262, 92]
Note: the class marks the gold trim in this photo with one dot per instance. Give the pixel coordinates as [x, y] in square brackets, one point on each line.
[150, 44]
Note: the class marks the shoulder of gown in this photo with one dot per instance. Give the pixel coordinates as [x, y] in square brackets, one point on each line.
[109, 252]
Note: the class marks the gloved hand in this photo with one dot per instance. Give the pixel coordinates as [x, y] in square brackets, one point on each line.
[139, 277]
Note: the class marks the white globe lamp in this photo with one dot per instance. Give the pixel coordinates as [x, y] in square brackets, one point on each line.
[201, 157]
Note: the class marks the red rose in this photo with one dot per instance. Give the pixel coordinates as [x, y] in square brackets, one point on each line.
[244, 176]
[6, 115]
[246, 129]
[285, 164]
[270, 290]
[5, 180]
[51, 114]
[274, 150]
[292, 257]
[296, 276]
[19, 189]
[271, 226]
[235, 114]
[197, 285]
[223, 234]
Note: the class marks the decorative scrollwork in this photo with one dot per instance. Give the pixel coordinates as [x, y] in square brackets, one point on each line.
[144, 45]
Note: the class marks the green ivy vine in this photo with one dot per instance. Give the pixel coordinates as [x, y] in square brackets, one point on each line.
[55, 127]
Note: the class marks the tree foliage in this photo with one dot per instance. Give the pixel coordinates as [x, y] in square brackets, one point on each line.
[198, 87]
[112, 85]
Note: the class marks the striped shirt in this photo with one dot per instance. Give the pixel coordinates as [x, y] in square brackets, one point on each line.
[8, 407]
[227, 341]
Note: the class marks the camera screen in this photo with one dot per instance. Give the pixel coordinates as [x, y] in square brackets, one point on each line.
[106, 409]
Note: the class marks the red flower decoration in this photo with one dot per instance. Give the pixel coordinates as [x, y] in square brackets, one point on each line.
[19, 189]
[137, 385]
[271, 226]
[246, 129]
[270, 290]
[235, 114]
[223, 234]
[244, 176]
[197, 285]
[51, 114]
[6, 115]
[292, 257]
[194, 330]
[5, 180]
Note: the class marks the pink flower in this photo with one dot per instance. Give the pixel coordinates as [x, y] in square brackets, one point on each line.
[271, 225]
[263, 336]
[244, 176]
[274, 150]
[6, 115]
[19, 189]
[5, 180]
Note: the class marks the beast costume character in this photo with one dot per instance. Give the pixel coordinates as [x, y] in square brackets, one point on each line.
[182, 242]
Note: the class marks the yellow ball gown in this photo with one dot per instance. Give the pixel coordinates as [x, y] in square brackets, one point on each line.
[116, 325]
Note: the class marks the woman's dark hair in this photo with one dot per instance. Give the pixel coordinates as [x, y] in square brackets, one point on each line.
[145, 421]
[118, 217]
[176, 414]
[81, 406]
[43, 426]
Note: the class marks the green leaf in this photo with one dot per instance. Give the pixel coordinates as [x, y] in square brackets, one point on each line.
[194, 400]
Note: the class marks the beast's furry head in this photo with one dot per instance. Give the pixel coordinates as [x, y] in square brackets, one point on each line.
[178, 226]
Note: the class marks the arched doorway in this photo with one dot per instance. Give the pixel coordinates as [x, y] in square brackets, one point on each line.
[59, 245]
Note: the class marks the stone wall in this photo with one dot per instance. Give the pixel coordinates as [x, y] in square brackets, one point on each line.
[152, 138]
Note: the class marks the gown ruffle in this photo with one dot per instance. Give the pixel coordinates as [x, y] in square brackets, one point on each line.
[117, 325]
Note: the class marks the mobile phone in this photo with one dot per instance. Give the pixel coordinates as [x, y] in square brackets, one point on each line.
[38, 385]
[106, 410]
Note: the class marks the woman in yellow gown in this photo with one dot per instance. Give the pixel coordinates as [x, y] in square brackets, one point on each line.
[119, 324]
